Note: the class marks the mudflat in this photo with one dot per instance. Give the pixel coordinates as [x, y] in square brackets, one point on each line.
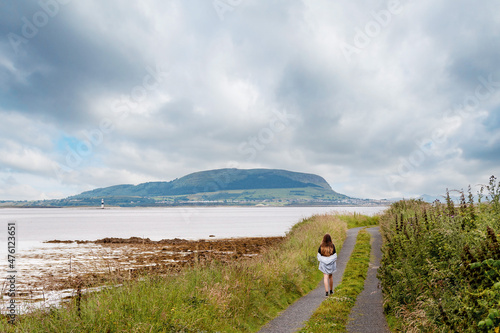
[119, 259]
[54, 273]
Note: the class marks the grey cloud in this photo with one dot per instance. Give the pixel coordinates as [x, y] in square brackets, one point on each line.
[65, 66]
[352, 122]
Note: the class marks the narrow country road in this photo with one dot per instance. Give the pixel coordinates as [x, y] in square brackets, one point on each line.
[293, 318]
[367, 315]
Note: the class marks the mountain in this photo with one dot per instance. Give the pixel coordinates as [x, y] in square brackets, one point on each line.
[215, 181]
[430, 198]
[442, 198]
[214, 187]
[223, 185]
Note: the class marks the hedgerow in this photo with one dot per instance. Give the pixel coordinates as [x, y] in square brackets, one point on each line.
[441, 263]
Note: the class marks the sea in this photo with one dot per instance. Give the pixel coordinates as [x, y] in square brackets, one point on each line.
[34, 226]
[34, 260]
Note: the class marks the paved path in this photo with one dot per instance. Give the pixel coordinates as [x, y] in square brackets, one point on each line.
[293, 318]
[367, 314]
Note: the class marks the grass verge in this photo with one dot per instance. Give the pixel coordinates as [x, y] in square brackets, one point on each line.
[235, 297]
[333, 313]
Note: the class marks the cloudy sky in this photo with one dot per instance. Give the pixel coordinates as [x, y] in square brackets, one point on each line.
[381, 98]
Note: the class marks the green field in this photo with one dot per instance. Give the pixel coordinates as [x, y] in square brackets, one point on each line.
[277, 195]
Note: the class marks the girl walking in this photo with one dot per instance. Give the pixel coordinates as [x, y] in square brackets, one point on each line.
[327, 257]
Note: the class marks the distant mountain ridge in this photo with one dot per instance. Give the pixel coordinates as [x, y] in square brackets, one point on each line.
[216, 181]
[221, 187]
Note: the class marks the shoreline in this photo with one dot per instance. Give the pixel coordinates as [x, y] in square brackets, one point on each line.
[384, 204]
[51, 275]
[143, 240]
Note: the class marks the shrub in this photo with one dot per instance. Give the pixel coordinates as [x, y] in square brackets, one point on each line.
[441, 263]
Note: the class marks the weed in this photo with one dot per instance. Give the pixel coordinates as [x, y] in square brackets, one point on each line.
[441, 263]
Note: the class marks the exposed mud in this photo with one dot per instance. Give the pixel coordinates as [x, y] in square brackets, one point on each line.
[49, 274]
[127, 258]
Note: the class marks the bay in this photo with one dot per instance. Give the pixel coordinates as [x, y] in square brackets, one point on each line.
[37, 225]
[39, 264]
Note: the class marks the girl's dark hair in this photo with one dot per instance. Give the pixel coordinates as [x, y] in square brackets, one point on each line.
[327, 247]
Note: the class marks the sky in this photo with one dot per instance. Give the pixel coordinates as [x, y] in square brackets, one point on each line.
[383, 99]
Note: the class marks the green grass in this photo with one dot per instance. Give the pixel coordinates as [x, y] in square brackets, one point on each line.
[237, 297]
[395, 324]
[333, 313]
[356, 220]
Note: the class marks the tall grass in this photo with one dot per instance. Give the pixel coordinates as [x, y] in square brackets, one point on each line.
[441, 263]
[236, 297]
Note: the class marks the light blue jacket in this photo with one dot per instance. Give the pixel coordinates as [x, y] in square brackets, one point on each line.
[327, 265]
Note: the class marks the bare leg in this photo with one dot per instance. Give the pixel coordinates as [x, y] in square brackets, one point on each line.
[331, 281]
[325, 280]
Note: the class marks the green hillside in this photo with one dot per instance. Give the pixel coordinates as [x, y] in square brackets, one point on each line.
[222, 185]
[215, 181]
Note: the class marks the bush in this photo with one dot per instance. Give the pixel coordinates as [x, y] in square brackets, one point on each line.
[441, 263]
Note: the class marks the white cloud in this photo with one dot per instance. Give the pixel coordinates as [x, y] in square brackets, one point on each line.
[354, 122]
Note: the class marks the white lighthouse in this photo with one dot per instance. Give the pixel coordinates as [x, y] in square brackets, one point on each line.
[102, 203]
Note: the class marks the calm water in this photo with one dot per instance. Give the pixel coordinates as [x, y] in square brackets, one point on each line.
[36, 261]
[38, 225]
